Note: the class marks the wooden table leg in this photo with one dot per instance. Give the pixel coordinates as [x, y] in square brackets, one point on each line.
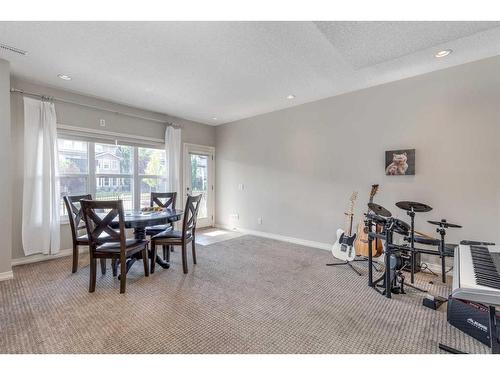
[140, 234]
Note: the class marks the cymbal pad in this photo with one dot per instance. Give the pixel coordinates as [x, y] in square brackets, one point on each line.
[444, 224]
[416, 206]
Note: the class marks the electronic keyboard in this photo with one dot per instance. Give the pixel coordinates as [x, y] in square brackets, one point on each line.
[476, 278]
[476, 274]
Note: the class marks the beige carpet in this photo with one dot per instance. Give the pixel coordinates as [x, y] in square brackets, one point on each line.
[209, 236]
[246, 295]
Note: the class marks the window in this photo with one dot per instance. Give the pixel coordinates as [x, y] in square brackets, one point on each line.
[73, 169]
[114, 173]
[107, 172]
[152, 169]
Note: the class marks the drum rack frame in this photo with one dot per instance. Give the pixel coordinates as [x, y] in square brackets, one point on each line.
[388, 250]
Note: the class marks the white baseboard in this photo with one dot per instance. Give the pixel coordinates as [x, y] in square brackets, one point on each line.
[436, 268]
[279, 237]
[42, 257]
[6, 275]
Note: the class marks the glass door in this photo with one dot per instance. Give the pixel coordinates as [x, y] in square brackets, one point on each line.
[198, 179]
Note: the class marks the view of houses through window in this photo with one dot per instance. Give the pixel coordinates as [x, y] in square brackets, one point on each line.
[199, 181]
[109, 171]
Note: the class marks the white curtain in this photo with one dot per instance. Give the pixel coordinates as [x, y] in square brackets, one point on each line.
[173, 151]
[40, 227]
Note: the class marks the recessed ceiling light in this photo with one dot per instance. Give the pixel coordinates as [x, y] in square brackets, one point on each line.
[290, 97]
[64, 76]
[214, 118]
[443, 53]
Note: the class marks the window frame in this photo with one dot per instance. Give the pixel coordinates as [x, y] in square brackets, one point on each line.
[92, 174]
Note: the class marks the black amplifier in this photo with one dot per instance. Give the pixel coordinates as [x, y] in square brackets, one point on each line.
[471, 318]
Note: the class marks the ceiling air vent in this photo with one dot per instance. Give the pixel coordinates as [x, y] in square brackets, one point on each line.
[12, 49]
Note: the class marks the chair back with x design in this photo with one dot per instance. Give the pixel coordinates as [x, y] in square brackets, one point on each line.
[191, 214]
[168, 202]
[98, 222]
[75, 215]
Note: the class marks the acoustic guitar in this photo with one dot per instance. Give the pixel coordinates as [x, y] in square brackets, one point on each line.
[343, 248]
[361, 243]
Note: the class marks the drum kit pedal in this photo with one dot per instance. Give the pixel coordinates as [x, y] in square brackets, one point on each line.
[398, 257]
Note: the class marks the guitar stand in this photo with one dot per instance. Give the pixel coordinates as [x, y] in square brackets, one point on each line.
[347, 263]
[363, 259]
[366, 259]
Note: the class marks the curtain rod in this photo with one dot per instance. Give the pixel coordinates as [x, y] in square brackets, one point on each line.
[53, 98]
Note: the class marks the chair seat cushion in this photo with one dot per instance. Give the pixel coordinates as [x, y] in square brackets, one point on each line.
[174, 234]
[114, 247]
[85, 238]
[155, 229]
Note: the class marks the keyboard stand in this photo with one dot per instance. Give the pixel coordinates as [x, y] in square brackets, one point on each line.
[449, 349]
[494, 339]
[494, 343]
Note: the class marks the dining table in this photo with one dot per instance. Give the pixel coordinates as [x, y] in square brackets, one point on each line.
[139, 220]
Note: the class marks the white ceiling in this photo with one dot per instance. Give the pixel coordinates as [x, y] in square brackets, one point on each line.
[234, 70]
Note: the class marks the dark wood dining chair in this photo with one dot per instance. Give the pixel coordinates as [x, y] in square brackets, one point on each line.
[163, 200]
[180, 238]
[118, 247]
[77, 224]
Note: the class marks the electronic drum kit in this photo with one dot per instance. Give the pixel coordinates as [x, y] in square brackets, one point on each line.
[399, 257]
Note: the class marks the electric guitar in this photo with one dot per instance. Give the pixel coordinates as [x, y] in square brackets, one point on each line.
[361, 243]
[343, 248]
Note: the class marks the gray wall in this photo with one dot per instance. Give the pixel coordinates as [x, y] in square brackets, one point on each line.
[300, 165]
[69, 114]
[5, 169]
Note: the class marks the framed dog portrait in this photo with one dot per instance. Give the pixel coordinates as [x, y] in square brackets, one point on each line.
[400, 162]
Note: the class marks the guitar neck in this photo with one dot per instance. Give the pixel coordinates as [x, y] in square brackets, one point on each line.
[350, 213]
[372, 194]
[351, 216]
